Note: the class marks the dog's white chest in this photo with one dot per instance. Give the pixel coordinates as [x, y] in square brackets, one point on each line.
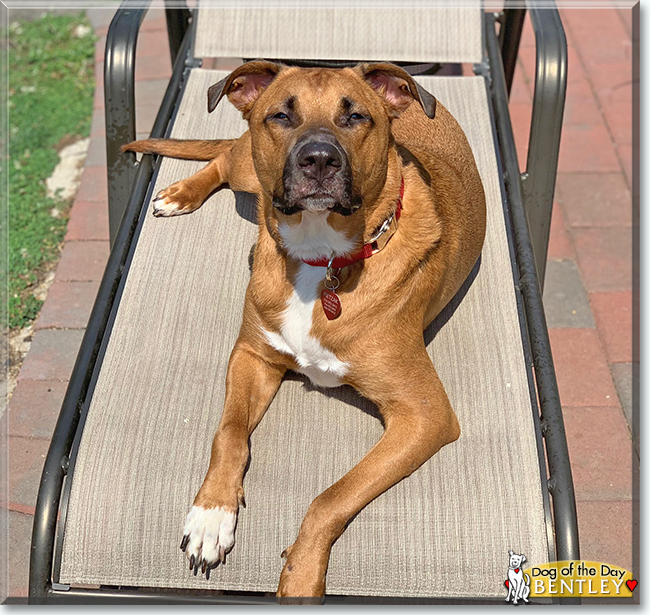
[319, 364]
[313, 237]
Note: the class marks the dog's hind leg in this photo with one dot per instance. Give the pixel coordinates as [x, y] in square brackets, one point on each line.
[230, 163]
[418, 420]
[209, 532]
[187, 195]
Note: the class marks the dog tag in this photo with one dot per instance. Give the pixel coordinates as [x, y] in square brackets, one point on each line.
[331, 303]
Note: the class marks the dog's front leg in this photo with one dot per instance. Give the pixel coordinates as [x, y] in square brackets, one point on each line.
[521, 587]
[209, 530]
[419, 421]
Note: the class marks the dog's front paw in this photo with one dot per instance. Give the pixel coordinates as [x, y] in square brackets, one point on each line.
[175, 201]
[208, 535]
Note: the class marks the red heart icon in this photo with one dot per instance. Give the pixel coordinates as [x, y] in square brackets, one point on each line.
[516, 569]
[507, 583]
[631, 584]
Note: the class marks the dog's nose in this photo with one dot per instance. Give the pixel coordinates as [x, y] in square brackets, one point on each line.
[319, 160]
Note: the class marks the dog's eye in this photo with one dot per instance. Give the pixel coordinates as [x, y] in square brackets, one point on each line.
[282, 117]
[354, 119]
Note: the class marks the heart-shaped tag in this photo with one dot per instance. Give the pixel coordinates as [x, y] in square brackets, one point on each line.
[516, 569]
[631, 584]
[331, 303]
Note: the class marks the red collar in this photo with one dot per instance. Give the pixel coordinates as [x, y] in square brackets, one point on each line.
[377, 243]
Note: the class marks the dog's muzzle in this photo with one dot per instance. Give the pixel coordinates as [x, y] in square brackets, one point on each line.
[317, 176]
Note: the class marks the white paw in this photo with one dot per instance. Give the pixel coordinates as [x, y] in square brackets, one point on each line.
[208, 535]
[166, 206]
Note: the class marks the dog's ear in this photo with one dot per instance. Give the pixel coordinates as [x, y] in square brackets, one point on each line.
[511, 553]
[397, 87]
[523, 559]
[244, 85]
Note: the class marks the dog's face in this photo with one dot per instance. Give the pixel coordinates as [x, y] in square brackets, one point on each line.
[516, 560]
[320, 139]
[320, 136]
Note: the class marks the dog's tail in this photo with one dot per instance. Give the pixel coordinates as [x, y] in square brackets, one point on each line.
[186, 149]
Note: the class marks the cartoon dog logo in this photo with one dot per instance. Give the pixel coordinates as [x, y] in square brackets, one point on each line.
[518, 588]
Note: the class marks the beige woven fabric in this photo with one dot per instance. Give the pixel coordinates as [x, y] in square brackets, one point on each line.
[444, 531]
[353, 32]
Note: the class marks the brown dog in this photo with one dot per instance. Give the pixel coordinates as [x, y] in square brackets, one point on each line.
[343, 161]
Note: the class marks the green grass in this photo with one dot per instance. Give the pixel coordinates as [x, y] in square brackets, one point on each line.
[51, 85]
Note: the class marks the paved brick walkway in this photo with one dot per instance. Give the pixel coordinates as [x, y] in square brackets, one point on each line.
[588, 293]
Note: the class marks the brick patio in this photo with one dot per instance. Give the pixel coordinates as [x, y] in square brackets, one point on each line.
[588, 293]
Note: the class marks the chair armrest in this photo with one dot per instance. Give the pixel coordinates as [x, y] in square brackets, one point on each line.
[178, 19]
[512, 25]
[546, 127]
[119, 101]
